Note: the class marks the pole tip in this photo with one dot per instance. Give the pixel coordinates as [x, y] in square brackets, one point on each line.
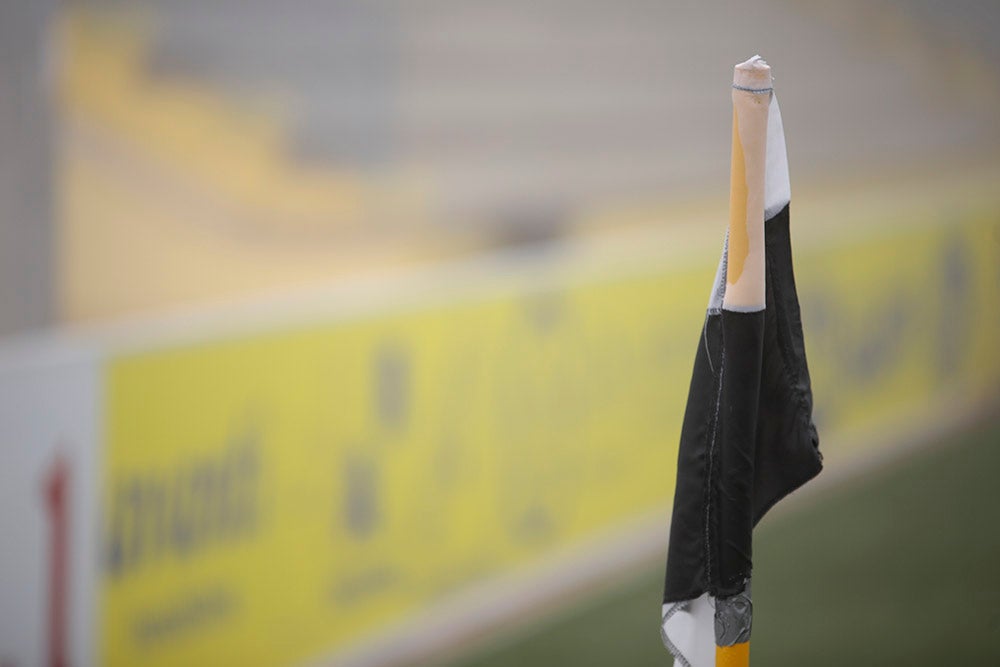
[752, 74]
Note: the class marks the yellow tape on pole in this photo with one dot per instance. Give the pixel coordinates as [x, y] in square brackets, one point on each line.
[737, 655]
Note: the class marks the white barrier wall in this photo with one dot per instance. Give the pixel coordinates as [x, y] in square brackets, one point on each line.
[49, 442]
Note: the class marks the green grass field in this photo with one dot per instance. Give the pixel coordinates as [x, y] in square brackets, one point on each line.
[900, 566]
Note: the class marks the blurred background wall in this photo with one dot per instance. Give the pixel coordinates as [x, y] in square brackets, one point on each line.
[210, 150]
[413, 288]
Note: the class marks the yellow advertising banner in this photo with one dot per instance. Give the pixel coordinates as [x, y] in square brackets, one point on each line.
[273, 496]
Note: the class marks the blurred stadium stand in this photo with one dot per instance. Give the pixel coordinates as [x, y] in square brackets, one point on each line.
[210, 150]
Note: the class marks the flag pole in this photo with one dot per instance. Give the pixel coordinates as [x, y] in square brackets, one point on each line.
[745, 258]
[737, 655]
[745, 282]
[744, 443]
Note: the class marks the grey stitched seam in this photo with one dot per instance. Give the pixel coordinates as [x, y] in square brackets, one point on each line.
[756, 91]
[711, 453]
[704, 338]
[674, 651]
[717, 311]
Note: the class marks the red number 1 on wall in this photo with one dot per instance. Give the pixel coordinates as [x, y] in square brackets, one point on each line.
[56, 487]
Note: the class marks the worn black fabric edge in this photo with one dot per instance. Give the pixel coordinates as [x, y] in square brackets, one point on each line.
[686, 566]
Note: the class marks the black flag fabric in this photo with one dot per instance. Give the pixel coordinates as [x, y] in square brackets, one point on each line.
[747, 439]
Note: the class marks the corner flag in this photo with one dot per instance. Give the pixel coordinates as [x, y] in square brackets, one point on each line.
[748, 439]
